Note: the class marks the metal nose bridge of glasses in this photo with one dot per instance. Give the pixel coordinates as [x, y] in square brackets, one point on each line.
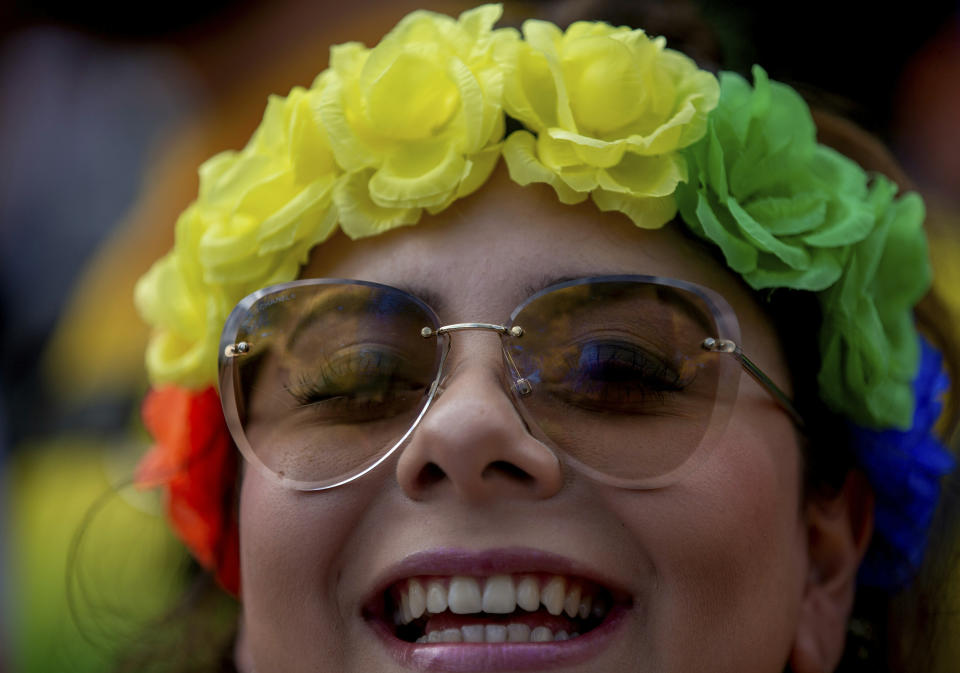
[524, 388]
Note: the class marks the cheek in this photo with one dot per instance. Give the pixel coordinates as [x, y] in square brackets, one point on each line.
[291, 561]
[727, 551]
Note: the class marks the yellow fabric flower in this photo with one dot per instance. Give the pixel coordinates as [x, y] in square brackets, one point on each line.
[258, 214]
[610, 108]
[417, 120]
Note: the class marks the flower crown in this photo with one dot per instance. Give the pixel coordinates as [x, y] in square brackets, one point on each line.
[609, 114]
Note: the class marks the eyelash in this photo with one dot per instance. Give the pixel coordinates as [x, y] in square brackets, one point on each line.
[329, 390]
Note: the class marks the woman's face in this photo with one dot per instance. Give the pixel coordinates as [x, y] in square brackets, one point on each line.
[703, 575]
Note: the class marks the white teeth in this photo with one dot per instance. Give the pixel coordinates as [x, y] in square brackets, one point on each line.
[464, 597]
[499, 595]
[436, 597]
[553, 594]
[518, 633]
[495, 633]
[451, 636]
[473, 633]
[418, 599]
[528, 594]
[561, 635]
[541, 634]
[572, 602]
[434, 636]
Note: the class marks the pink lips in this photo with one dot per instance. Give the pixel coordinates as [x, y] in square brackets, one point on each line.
[476, 657]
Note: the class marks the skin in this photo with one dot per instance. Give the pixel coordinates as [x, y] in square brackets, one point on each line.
[728, 569]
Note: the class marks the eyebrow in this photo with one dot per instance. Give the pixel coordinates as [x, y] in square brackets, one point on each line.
[441, 306]
[332, 295]
[546, 281]
[427, 295]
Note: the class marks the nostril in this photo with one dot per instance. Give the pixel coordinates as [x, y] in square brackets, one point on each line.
[507, 469]
[430, 474]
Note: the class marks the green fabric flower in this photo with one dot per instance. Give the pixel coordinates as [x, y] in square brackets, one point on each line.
[868, 342]
[788, 212]
[782, 208]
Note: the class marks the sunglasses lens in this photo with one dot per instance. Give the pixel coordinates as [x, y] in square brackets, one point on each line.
[330, 378]
[618, 379]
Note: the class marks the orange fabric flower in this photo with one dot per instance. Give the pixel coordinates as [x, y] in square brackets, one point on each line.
[193, 458]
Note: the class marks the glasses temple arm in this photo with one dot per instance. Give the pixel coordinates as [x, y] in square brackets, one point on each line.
[764, 380]
[727, 346]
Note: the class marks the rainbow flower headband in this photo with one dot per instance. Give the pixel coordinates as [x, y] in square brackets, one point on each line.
[609, 114]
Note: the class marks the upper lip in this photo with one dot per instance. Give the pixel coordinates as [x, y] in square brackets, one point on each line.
[509, 560]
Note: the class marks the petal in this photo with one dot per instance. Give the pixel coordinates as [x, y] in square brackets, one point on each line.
[903, 273]
[408, 92]
[360, 216]
[645, 176]
[545, 38]
[580, 178]
[606, 88]
[556, 154]
[478, 170]
[824, 270]
[310, 153]
[519, 151]
[212, 170]
[740, 255]
[592, 151]
[272, 131]
[417, 176]
[472, 106]
[282, 229]
[165, 299]
[530, 91]
[478, 21]
[788, 216]
[646, 213]
[792, 255]
[190, 361]
[352, 154]
[235, 179]
[226, 241]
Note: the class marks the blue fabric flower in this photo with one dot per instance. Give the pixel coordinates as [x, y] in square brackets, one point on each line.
[904, 467]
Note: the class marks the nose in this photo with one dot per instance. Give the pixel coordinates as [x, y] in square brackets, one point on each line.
[474, 444]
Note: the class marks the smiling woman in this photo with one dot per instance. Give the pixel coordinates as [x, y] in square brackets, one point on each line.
[531, 432]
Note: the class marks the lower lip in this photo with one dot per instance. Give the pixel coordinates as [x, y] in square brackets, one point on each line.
[476, 657]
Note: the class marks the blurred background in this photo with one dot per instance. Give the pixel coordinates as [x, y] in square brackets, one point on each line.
[106, 111]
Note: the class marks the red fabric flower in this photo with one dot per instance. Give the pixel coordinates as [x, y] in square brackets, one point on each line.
[193, 458]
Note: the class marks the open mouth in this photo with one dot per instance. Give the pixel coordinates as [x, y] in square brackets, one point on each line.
[503, 608]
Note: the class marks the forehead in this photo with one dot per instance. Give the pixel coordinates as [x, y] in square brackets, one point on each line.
[485, 254]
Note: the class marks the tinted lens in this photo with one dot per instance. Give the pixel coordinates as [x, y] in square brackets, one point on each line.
[333, 376]
[618, 379]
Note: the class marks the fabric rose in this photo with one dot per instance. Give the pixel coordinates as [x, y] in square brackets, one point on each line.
[782, 208]
[868, 342]
[186, 313]
[258, 214]
[905, 468]
[194, 460]
[416, 121]
[608, 109]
